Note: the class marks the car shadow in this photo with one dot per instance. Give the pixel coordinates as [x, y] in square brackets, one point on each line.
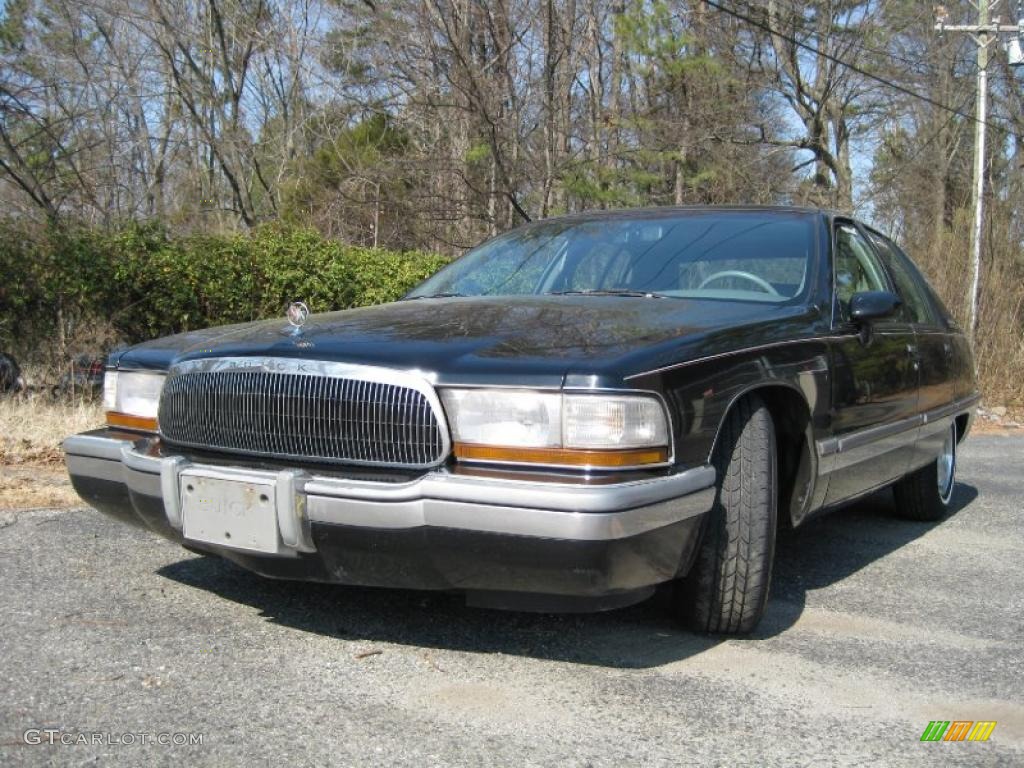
[834, 546]
[819, 553]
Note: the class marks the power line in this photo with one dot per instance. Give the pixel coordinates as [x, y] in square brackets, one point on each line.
[984, 34]
[852, 67]
[805, 25]
[922, 146]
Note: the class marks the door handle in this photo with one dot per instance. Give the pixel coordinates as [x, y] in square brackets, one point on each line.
[915, 359]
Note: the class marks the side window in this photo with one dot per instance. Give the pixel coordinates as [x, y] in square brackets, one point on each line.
[857, 267]
[916, 307]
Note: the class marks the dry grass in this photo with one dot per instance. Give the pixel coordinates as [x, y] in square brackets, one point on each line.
[36, 488]
[31, 463]
[999, 340]
[32, 429]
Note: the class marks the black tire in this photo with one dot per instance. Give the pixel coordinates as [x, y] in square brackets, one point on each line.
[727, 589]
[920, 495]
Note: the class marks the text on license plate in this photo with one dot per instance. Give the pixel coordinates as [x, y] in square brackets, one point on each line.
[234, 513]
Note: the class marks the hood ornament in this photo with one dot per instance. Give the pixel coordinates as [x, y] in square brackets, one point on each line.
[297, 314]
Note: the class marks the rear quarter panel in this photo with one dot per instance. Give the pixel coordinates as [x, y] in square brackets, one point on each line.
[965, 382]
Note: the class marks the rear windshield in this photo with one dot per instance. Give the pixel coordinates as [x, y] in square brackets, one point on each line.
[741, 255]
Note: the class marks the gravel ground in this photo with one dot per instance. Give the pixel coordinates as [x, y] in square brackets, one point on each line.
[875, 627]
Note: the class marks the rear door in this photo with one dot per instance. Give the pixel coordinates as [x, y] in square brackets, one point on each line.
[875, 377]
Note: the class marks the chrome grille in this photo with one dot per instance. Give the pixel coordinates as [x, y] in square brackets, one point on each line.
[290, 412]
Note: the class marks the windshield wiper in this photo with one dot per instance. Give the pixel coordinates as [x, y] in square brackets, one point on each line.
[611, 292]
[434, 296]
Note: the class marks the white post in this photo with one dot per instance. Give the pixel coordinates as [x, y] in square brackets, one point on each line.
[984, 34]
[981, 115]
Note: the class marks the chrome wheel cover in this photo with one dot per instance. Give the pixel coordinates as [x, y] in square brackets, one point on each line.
[946, 465]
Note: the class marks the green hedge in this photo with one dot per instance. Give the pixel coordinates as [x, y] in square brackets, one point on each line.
[147, 283]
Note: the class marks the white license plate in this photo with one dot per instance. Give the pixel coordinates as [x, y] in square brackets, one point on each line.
[233, 513]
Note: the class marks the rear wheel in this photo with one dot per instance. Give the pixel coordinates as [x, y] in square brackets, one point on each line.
[727, 588]
[925, 494]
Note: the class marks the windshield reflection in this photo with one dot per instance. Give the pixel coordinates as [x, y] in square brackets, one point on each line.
[739, 255]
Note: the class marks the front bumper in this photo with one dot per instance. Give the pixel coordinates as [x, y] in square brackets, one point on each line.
[500, 540]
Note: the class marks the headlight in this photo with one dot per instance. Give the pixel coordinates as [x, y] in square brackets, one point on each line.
[495, 417]
[579, 430]
[132, 398]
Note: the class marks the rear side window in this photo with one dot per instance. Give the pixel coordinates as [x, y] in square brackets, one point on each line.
[917, 308]
[857, 267]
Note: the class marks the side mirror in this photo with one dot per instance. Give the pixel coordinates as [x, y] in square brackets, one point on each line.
[873, 305]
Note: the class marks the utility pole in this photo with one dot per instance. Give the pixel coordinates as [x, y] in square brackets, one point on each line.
[984, 33]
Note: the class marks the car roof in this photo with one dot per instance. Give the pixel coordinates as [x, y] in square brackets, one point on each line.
[659, 211]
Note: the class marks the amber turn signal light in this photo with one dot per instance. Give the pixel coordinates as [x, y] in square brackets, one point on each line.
[565, 457]
[127, 421]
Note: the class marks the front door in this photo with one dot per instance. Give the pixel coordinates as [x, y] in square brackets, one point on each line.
[875, 378]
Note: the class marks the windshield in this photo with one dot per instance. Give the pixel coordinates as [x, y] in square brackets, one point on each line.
[735, 255]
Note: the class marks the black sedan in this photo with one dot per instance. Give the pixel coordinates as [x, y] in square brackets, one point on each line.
[565, 418]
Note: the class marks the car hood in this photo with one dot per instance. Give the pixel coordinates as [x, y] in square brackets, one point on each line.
[511, 340]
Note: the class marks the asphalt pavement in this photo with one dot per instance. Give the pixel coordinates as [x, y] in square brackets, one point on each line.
[133, 651]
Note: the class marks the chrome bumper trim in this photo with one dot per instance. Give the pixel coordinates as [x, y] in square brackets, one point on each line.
[170, 489]
[515, 521]
[517, 493]
[440, 499]
[292, 520]
[95, 447]
[100, 469]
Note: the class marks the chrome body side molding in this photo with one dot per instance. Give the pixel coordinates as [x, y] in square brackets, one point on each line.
[738, 352]
[835, 453]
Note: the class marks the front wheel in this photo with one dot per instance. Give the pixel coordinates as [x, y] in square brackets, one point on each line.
[727, 589]
[925, 494]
